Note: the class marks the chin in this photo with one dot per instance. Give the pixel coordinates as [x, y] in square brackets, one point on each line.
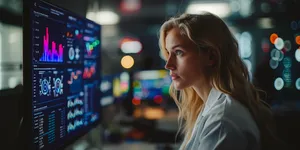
[179, 86]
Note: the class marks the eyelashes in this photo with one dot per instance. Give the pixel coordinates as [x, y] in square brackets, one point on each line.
[178, 52]
[175, 52]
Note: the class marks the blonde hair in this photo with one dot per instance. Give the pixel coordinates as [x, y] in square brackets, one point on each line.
[229, 74]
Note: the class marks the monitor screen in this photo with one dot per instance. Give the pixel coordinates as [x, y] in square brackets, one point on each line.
[121, 85]
[106, 88]
[64, 68]
[152, 85]
[114, 88]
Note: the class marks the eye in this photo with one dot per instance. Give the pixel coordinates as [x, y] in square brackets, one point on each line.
[178, 52]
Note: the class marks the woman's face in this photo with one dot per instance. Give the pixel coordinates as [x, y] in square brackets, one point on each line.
[187, 65]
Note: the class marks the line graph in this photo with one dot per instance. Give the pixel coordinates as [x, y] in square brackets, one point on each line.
[73, 126]
[75, 113]
[75, 102]
[75, 81]
[89, 69]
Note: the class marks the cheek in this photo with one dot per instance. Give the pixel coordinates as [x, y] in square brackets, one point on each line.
[195, 69]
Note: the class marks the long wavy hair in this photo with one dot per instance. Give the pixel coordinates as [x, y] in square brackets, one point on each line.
[229, 74]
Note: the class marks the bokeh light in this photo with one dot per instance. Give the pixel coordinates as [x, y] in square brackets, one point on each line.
[273, 37]
[287, 45]
[279, 44]
[136, 101]
[158, 99]
[297, 84]
[248, 64]
[276, 55]
[127, 62]
[265, 46]
[287, 77]
[298, 39]
[294, 25]
[245, 45]
[273, 64]
[287, 62]
[278, 83]
[265, 7]
[297, 54]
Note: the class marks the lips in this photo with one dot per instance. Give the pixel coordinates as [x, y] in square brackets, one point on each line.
[174, 76]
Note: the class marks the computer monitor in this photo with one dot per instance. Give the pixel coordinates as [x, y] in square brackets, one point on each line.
[61, 75]
[106, 88]
[114, 88]
[121, 85]
[151, 85]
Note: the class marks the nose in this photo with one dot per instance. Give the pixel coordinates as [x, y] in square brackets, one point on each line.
[170, 64]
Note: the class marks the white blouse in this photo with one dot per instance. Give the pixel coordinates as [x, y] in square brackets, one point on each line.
[224, 124]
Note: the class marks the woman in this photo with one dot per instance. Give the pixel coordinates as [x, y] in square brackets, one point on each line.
[220, 107]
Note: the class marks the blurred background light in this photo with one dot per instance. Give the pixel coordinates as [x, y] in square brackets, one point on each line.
[297, 54]
[297, 84]
[277, 55]
[298, 39]
[220, 9]
[129, 45]
[279, 44]
[127, 62]
[265, 23]
[287, 45]
[245, 45]
[265, 7]
[273, 63]
[294, 25]
[107, 17]
[153, 113]
[248, 64]
[129, 6]
[265, 46]
[273, 37]
[107, 100]
[278, 83]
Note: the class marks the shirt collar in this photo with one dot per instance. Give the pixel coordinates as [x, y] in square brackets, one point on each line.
[213, 96]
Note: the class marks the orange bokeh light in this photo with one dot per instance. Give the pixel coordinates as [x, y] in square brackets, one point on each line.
[273, 37]
[298, 39]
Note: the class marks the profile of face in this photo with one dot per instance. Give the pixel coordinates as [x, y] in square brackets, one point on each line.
[187, 64]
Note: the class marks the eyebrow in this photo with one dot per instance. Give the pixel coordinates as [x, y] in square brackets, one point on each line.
[178, 45]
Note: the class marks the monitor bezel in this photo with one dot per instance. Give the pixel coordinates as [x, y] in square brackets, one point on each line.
[27, 130]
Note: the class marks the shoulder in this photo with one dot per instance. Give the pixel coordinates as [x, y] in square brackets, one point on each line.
[230, 115]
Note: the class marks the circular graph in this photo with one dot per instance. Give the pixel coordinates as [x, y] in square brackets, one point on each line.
[57, 87]
[45, 87]
[71, 53]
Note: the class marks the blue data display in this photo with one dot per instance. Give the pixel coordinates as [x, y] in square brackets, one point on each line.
[65, 52]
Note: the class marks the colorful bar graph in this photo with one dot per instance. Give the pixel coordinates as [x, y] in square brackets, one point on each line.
[51, 55]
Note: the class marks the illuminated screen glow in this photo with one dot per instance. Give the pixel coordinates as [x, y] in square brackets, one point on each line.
[65, 54]
[148, 85]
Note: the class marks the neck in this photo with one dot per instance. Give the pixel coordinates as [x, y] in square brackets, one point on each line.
[203, 91]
